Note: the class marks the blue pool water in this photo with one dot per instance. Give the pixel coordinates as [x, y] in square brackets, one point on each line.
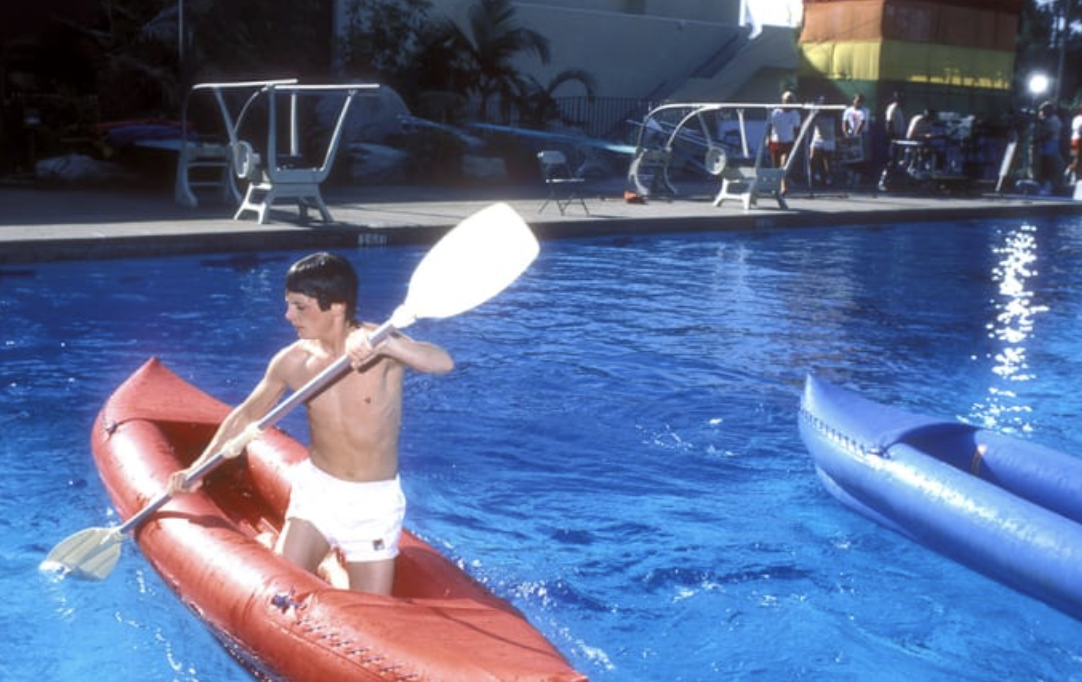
[616, 453]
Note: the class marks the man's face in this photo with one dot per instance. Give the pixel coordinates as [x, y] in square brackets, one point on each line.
[307, 319]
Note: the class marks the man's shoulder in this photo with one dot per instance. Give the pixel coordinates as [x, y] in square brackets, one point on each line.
[296, 348]
[292, 357]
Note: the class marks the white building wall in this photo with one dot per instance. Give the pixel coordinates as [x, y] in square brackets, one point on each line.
[643, 49]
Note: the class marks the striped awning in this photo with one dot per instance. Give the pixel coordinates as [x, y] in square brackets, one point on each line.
[893, 60]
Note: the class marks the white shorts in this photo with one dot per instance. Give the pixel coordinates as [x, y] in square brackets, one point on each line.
[363, 520]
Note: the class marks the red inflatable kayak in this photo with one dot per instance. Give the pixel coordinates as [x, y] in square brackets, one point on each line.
[280, 621]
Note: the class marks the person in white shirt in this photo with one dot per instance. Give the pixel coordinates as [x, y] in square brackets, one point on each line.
[821, 154]
[895, 117]
[855, 117]
[784, 128]
[922, 128]
[855, 122]
[895, 124]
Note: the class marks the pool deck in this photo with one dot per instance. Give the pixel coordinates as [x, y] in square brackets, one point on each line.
[65, 224]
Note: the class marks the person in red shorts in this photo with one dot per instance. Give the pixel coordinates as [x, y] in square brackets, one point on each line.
[1076, 146]
[784, 128]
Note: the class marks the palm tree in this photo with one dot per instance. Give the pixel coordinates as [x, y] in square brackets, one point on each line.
[491, 44]
[538, 102]
[382, 39]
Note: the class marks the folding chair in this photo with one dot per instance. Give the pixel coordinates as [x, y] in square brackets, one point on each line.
[562, 183]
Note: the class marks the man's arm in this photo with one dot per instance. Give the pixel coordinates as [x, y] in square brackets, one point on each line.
[258, 403]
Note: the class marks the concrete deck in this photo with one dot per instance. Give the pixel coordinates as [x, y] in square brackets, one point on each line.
[61, 224]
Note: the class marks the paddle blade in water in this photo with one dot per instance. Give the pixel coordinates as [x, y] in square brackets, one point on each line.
[90, 553]
[476, 260]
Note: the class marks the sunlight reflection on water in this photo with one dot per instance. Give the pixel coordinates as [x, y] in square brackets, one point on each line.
[1015, 318]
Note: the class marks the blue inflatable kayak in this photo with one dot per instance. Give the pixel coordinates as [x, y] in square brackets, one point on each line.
[1005, 507]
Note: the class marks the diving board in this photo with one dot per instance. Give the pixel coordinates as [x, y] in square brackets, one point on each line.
[726, 140]
[272, 175]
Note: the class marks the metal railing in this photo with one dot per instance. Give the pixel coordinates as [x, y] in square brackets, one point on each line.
[606, 118]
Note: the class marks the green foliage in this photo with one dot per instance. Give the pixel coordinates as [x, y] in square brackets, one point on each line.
[130, 54]
[244, 39]
[538, 104]
[437, 66]
[495, 38]
[479, 58]
[383, 39]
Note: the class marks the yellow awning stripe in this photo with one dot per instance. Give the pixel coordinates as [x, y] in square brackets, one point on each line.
[914, 21]
[895, 60]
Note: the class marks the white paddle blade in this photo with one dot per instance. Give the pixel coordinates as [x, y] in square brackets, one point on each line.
[473, 262]
[90, 553]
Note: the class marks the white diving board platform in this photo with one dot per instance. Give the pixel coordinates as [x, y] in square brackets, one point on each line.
[272, 176]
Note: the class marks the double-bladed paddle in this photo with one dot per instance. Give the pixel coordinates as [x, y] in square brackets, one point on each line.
[473, 262]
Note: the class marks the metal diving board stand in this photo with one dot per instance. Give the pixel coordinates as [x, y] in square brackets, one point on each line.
[278, 177]
[673, 133]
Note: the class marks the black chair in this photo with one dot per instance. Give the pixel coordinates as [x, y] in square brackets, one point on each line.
[563, 184]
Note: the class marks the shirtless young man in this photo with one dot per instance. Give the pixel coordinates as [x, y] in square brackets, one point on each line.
[347, 494]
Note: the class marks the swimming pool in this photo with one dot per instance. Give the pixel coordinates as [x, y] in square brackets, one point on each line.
[616, 452]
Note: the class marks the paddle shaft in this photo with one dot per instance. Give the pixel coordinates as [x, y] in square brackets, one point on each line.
[328, 376]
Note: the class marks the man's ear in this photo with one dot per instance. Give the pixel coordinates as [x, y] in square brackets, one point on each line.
[339, 308]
